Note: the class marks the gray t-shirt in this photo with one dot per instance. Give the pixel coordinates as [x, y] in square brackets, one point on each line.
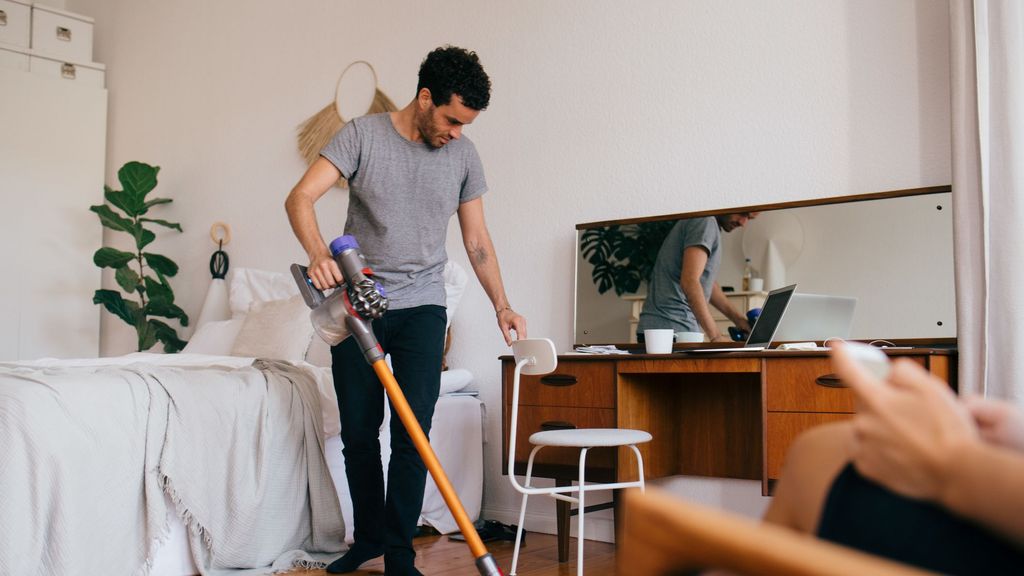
[666, 305]
[402, 195]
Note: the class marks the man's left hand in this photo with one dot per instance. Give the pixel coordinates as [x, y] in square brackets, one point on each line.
[509, 320]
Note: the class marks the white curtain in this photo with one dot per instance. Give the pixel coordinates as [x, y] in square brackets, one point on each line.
[987, 78]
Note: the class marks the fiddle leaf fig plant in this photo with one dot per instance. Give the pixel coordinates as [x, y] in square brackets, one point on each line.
[140, 274]
[623, 255]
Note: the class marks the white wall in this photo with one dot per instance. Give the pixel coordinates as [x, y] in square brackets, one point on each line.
[601, 109]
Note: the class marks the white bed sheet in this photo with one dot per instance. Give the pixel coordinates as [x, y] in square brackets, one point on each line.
[457, 438]
[173, 555]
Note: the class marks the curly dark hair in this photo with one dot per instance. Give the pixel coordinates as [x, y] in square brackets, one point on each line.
[451, 70]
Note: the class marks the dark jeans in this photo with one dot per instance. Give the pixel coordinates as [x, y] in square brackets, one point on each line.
[863, 515]
[415, 339]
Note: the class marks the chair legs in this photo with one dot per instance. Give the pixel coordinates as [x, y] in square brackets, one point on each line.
[562, 499]
[580, 512]
[522, 517]
[519, 535]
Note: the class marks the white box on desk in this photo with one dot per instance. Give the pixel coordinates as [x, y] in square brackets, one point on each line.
[15, 23]
[14, 57]
[61, 35]
[86, 74]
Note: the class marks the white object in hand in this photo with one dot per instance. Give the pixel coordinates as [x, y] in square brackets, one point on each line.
[871, 358]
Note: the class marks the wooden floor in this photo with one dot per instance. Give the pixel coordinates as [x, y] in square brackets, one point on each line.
[438, 556]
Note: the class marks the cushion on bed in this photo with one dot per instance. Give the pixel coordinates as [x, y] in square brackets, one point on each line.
[454, 380]
[215, 338]
[455, 279]
[319, 352]
[249, 286]
[278, 329]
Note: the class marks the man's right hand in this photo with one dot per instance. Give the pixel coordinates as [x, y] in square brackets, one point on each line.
[324, 272]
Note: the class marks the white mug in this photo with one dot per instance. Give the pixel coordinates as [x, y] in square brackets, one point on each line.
[756, 284]
[658, 341]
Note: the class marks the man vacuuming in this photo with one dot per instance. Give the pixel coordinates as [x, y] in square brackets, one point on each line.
[408, 172]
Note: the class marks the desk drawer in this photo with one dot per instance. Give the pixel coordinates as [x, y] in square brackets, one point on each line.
[807, 385]
[572, 384]
[783, 427]
[533, 419]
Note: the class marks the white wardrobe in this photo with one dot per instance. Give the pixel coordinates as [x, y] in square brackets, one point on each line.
[52, 152]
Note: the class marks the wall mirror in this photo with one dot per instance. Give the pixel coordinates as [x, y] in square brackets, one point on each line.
[893, 251]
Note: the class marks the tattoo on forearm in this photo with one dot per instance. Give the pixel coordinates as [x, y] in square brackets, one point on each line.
[479, 255]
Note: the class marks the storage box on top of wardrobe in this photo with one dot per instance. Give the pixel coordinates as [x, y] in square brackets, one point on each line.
[15, 27]
[61, 35]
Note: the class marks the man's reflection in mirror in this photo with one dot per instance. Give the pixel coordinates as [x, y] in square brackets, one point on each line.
[683, 284]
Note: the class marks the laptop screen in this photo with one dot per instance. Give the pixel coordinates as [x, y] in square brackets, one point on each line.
[817, 317]
[771, 315]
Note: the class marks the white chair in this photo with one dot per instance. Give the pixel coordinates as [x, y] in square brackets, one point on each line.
[534, 357]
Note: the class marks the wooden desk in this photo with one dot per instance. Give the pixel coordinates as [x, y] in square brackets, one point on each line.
[730, 415]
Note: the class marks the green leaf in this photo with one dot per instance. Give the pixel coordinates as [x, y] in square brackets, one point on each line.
[147, 335]
[111, 219]
[167, 335]
[138, 179]
[164, 223]
[112, 301]
[107, 257]
[127, 279]
[154, 201]
[142, 236]
[161, 264]
[166, 309]
[121, 200]
[158, 291]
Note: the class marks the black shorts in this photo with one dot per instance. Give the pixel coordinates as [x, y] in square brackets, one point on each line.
[862, 514]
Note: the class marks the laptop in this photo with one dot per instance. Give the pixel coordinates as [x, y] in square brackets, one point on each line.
[764, 329]
[817, 317]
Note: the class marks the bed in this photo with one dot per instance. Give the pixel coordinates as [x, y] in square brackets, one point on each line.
[202, 462]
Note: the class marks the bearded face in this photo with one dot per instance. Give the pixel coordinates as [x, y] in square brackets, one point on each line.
[439, 125]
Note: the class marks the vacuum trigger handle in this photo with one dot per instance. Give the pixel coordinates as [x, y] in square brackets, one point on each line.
[311, 294]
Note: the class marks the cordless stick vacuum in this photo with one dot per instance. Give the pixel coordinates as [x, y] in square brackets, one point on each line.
[349, 310]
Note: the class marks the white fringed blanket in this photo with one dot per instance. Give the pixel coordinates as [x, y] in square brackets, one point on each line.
[87, 450]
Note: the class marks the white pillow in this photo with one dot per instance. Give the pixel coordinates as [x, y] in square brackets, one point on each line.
[454, 380]
[455, 279]
[249, 286]
[278, 329]
[319, 353]
[216, 338]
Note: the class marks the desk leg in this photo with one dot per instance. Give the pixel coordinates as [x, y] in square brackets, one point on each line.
[562, 523]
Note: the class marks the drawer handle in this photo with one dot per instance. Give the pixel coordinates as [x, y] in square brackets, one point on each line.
[3, 18]
[64, 34]
[557, 425]
[67, 71]
[559, 380]
[829, 381]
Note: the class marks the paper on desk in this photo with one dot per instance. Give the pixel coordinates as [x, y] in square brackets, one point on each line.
[611, 349]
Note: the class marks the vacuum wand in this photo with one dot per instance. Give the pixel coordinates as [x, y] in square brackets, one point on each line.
[349, 311]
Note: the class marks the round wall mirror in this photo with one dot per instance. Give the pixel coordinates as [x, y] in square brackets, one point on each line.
[357, 87]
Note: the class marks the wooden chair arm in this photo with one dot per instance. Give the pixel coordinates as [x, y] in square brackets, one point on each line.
[663, 534]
